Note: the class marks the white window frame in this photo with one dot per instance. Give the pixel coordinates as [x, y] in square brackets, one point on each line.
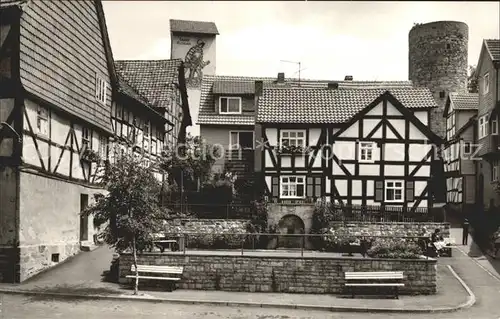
[494, 172]
[296, 138]
[103, 142]
[229, 98]
[288, 183]
[366, 146]
[101, 88]
[494, 126]
[85, 137]
[482, 127]
[42, 121]
[486, 83]
[236, 146]
[387, 187]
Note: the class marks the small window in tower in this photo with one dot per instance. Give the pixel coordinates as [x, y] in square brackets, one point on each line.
[448, 46]
[442, 94]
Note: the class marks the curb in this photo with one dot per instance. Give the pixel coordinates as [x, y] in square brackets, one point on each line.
[471, 300]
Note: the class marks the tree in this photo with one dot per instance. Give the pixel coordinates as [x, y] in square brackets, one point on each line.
[130, 211]
[190, 163]
[472, 83]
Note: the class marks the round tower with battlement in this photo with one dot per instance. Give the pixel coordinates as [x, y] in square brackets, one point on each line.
[438, 60]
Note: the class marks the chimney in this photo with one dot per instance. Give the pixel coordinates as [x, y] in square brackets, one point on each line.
[348, 78]
[281, 77]
[258, 88]
[333, 85]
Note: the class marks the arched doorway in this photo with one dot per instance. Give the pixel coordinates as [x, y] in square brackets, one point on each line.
[290, 225]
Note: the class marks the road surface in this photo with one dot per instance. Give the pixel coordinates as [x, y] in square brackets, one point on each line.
[26, 307]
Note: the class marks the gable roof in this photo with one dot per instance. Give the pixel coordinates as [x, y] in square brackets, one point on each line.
[224, 84]
[334, 106]
[127, 90]
[462, 101]
[155, 80]
[188, 26]
[493, 48]
[387, 95]
[12, 3]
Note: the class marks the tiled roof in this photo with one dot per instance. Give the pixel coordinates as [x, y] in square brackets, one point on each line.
[126, 89]
[193, 26]
[154, 80]
[226, 87]
[11, 3]
[289, 105]
[465, 101]
[242, 85]
[493, 47]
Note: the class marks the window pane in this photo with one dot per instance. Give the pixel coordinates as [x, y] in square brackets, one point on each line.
[223, 105]
[292, 179]
[390, 184]
[234, 138]
[398, 194]
[300, 134]
[285, 142]
[284, 179]
[285, 134]
[234, 105]
[300, 180]
[293, 142]
[300, 142]
[390, 194]
[293, 134]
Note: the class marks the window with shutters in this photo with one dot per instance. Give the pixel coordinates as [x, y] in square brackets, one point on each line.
[42, 121]
[292, 187]
[394, 191]
[366, 151]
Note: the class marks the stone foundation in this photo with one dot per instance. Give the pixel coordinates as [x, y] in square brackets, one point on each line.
[35, 259]
[282, 274]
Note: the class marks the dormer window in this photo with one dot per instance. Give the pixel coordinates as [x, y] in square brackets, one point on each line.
[486, 83]
[230, 105]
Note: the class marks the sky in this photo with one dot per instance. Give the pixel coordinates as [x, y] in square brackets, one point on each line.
[368, 40]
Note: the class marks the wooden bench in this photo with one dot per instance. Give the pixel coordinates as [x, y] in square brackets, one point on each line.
[391, 279]
[174, 273]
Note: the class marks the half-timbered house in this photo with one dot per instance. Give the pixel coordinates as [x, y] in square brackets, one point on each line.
[488, 141]
[162, 83]
[351, 146]
[138, 128]
[56, 90]
[459, 150]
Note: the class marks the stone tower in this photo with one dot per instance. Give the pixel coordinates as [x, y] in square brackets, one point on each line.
[438, 60]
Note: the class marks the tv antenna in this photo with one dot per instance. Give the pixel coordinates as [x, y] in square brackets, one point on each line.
[298, 63]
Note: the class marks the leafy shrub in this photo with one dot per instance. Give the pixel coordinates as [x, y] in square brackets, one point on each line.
[395, 249]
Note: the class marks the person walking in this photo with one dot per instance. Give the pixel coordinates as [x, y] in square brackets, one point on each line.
[465, 232]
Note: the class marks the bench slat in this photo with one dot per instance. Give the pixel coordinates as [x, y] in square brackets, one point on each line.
[159, 278]
[376, 285]
[158, 269]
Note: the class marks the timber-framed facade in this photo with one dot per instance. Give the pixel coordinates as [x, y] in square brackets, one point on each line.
[352, 146]
[55, 115]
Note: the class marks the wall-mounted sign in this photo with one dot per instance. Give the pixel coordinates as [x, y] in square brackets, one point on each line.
[184, 41]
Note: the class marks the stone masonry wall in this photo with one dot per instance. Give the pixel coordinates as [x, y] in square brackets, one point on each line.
[282, 274]
[387, 229]
[438, 60]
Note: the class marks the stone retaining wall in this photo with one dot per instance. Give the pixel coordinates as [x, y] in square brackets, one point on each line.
[387, 229]
[282, 274]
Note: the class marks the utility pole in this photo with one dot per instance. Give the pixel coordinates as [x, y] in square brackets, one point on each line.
[298, 63]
